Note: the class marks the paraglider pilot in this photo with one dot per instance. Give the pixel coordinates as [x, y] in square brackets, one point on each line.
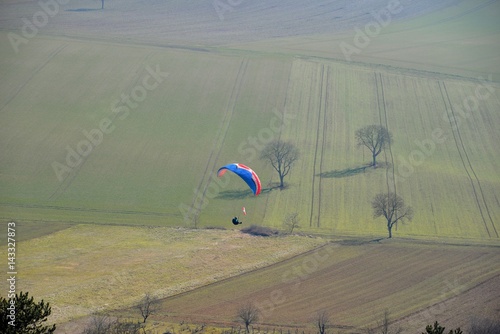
[236, 221]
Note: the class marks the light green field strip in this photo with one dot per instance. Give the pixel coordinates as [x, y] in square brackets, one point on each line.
[428, 171]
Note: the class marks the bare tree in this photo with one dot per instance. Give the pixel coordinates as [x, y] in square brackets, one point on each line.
[147, 306]
[291, 221]
[322, 321]
[392, 207]
[99, 324]
[384, 327]
[281, 155]
[249, 314]
[104, 324]
[375, 138]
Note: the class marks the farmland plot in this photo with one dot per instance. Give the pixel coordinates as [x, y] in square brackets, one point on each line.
[354, 284]
[326, 120]
[441, 164]
[424, 163]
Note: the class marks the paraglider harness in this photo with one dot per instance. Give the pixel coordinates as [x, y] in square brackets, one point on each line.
[236, 221]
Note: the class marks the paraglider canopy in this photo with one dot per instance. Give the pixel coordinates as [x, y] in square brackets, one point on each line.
[246, 173]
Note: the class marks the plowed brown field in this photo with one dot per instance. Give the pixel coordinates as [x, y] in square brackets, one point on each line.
[417, 283]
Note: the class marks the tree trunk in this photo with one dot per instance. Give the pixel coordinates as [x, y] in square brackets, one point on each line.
[374, 161]
[102, 4]
[282, 184]
[389, 228]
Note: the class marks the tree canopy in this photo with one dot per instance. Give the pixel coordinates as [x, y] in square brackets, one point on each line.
[375, 138]
[281, 155]
[22, 315]
[392, 207]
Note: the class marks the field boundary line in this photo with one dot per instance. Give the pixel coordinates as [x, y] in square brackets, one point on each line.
[324, 141]
[219, 140]
[461, 147]
[384, 121]
[280, 133]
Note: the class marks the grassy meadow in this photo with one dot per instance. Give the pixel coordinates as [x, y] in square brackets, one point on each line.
[88, 268]
[113, 124]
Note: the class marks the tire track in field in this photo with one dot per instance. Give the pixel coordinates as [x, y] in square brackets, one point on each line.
[382, 106]
[35, 72]
[464, 157]
[218, 144]
[285, 103]
[324, 139]
[390, 174]
[319, 149]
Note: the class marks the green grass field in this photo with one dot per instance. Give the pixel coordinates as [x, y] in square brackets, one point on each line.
[162, 149]
[111, 134]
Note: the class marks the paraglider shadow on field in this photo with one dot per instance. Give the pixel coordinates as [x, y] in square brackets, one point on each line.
[351, 171]
[240, 194]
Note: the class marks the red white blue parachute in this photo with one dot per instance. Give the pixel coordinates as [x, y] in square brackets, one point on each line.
[246, 173]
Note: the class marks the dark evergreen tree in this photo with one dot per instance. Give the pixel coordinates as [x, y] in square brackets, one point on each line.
[22, 315]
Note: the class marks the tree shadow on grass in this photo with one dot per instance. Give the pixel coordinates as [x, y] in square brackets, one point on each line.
[339, 173]
[234, 194]
[351, 171]
[240, 194]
